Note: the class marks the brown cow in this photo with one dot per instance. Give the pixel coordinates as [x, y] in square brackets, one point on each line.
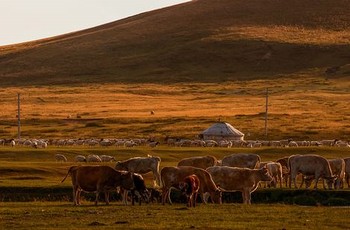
[285, 170]
[172, 176]
[310, 165]
[98, 179]
[140, 192]
[242, 160]
[239, 179]
[190, 187]
[142, 165]
[202, 162]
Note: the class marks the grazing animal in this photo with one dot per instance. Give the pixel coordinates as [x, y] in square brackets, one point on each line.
[155, 195]
[239, 179]
[275, 170]
[285, 170]
[140, 192]
[190, 187]
[98, 179]
[93, 158]
[338, 170]
[142, 165]
[106, 158]
[172, 176]
[61, 157]
[310, 165]
[347, 170]
[202, 162]
[242, 160]
[80, 158]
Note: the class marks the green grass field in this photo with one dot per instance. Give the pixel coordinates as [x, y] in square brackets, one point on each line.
[62, 215]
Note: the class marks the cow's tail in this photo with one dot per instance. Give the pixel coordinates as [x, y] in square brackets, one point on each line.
[69, 172]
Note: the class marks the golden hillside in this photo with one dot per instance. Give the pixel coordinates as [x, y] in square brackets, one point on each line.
[199, 41]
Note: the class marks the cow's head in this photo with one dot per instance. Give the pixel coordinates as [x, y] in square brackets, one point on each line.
[140, 187]
[120, 166]
[216, 196]
[330, 181]
[127, 180]
[265, 175]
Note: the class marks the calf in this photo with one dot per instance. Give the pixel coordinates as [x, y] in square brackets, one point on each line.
[239, 179]
[140, 191]
[190, 187]
[98, 179]
[172, 176]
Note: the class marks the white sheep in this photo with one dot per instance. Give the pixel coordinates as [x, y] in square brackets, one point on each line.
[80, 158]
[93, 158]
[61, 157]
[106, 158]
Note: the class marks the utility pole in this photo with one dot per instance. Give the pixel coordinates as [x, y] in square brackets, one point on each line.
[19, 115]
[266, 110]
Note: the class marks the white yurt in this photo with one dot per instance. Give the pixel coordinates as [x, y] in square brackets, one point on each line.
[220, 131]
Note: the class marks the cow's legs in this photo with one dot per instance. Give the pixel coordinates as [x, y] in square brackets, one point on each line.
[107, 197]
[97, 194]
[164, 195]
[316, 181]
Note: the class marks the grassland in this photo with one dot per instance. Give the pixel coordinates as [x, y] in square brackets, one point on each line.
[35, 170]
[299, 108]
[61, 215]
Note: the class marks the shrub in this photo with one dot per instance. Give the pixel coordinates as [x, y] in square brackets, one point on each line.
[336, 202]
[305, 200]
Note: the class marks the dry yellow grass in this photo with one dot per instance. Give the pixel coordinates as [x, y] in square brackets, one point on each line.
[310, 108]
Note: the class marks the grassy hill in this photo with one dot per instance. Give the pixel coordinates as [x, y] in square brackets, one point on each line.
[199, 41]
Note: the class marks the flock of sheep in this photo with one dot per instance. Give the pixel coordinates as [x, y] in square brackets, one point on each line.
[176, 142]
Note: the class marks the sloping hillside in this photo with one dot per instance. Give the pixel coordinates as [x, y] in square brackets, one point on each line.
[199, 41]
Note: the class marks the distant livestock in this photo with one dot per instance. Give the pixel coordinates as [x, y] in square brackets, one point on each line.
[80, 158]
[60, 157]
[106, 158]
[93, 158]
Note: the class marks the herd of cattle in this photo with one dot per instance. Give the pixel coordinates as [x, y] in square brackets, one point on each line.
[205, 175]
[177, 142]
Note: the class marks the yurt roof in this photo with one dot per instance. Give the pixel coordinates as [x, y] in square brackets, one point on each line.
[222, 129]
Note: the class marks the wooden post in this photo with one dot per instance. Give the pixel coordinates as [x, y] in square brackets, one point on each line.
[266, 110]
[19, 115]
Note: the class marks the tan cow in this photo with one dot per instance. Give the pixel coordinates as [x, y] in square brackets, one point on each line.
[98, 179]
[172, 176]
[142, 165]
[202, 162]
[310, 165]
[275, 170]
[242, 160]
[338, 170]
[239, 179]
[347, 170]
